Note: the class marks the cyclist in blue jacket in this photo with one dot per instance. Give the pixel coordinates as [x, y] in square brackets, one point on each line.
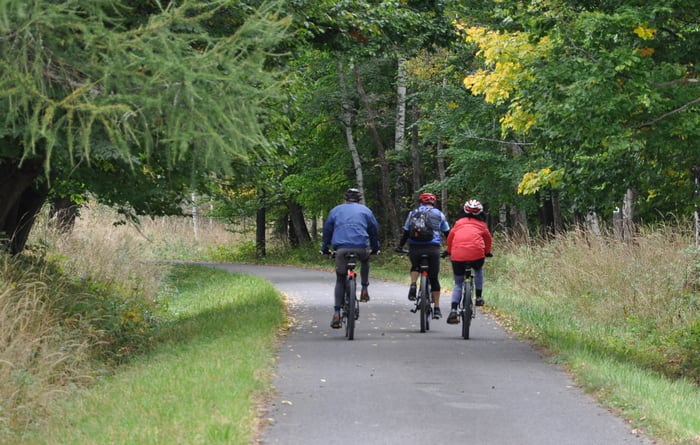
[350, 227]
[431, 247]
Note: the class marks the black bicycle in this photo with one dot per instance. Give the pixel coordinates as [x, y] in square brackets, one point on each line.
[350, 310]
[424, 295]
[467, 306]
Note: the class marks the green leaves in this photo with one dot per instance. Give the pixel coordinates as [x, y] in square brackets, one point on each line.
[612, 90]
[74, 75]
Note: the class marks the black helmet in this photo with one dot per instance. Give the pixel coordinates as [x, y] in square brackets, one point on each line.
[353, 195]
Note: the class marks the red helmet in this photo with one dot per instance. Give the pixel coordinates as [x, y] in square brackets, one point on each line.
[473, 206]
[427, 198]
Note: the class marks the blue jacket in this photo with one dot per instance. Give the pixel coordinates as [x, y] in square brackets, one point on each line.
[350, 225]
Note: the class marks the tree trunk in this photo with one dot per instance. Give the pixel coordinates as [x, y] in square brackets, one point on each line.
[62, 214]
[546, 212]
[416, 177]
[260, 233]
[696, 195]
[400, 105]
[298, 224]
[556, 212]
[628, 229]
[195, 216]
[23, 192]
[441, 165]
[617, 224]
[592, 224]
[520, 230]
[400, 139]
[502, 218]
[441, 176]
[392, 215]
[347, 122]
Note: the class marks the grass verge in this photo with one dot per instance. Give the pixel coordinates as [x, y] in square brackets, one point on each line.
[203, 382]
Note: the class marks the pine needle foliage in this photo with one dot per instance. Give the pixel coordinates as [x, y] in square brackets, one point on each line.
[79, 76]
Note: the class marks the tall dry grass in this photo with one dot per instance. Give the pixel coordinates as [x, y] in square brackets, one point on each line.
[641, 298]
[40, 356]
[77, 303]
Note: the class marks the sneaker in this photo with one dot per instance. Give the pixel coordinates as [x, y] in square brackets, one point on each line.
[364, 296]
[480, 301]
[453, 318]
[335, 322]
[437, 314]
[412, 292]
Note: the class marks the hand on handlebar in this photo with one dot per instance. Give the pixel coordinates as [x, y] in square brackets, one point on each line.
[444, 254]
[489, 255]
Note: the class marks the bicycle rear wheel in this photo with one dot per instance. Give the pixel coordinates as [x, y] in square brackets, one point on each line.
[424, 295]
[467, 309]
[350, 307]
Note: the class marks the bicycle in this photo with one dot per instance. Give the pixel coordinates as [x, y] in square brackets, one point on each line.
[424, 295]
[350, 310]
[467, 306]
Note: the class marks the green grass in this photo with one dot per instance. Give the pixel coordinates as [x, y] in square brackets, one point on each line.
[664, 408]
[203, 382]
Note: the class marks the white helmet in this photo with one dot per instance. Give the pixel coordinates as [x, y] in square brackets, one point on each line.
[473, 207]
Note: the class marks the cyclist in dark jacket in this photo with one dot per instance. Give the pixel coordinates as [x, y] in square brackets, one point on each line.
[431, 247]
[350, 227]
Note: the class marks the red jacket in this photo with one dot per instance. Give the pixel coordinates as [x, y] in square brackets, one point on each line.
[469, 240]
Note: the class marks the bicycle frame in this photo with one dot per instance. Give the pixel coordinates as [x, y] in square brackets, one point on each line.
[424, 302]
[351, 309]
[467, 306]
[424, 295]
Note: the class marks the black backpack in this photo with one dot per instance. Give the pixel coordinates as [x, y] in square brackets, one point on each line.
[423, 224]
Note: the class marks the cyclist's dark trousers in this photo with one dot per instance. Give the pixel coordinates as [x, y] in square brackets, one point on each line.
[341, 264]
[459, 269]
[433, 251]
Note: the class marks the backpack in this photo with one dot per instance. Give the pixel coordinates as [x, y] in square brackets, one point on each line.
[422, 225]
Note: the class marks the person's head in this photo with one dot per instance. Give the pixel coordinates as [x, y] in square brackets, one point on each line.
[427, 198]
[473, 208]
[353, 194]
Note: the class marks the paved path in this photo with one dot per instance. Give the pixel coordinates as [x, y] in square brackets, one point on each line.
[394, 385]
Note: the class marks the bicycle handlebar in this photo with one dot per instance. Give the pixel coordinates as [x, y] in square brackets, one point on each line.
[332, 254]
[443, 254]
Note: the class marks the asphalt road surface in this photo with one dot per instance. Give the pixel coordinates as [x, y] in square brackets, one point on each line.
[395, 385]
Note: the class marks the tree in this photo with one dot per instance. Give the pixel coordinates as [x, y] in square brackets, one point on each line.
[165, 95]
[606, 91]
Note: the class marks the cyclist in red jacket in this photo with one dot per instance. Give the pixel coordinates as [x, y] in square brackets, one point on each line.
[468, 244]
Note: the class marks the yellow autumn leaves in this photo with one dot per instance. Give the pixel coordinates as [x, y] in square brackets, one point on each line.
[532, 182]
[507, 57]
[508, 60]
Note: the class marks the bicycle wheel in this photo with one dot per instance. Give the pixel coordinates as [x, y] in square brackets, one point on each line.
[467, 309]
[424, 307]
[428, 305]
[350, 307]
